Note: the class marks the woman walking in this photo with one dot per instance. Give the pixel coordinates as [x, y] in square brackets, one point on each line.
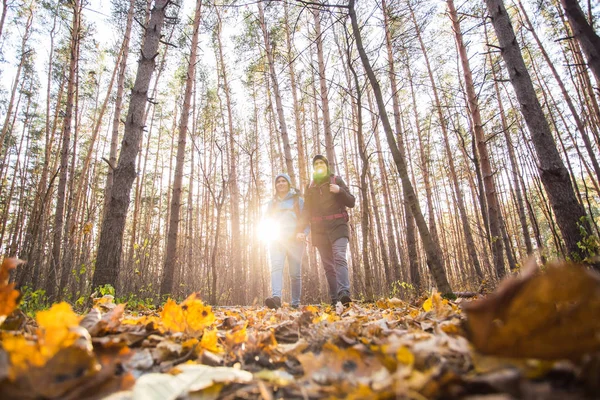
[283, 211]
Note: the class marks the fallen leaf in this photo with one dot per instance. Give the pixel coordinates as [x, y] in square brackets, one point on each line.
[190, 317]
[547, 315]
[191, 378]
[8, 293]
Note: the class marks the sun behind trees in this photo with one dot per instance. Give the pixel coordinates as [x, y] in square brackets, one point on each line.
[486, 152]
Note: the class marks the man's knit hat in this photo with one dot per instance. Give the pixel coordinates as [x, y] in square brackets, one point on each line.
[320, 157]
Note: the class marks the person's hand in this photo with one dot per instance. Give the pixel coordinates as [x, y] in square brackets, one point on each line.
[300, 236]
[333, 188]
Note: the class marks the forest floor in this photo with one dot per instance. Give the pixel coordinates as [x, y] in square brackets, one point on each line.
[536, 337]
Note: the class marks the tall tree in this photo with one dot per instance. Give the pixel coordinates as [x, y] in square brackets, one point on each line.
[493, 206]
[113, 224]
[432, 248]
[116, 122]
[555, 177]
[236, 264]
[411, 237]
[329, 151]
[64, 152]
[585, 34]
[364, 158]
[303, 174]
[287, 151]
[166, 286]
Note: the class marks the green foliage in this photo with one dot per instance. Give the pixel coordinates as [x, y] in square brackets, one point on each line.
[137, 303]
[33, 301]
[589, 244]
[106, 289]
[402, 289]
[449, 296]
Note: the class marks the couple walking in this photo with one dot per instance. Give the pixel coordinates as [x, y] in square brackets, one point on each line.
[323, 211]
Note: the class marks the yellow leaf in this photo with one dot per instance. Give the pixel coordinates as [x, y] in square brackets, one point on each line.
[237, 337]
[191, 316]
[58, 328]
[210, 341]
[172, 317]
[404, 356]
[59, 316]
[428, 305]
[312, 309]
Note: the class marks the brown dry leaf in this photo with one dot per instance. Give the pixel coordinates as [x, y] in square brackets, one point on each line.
[335, 364]
[547, 315]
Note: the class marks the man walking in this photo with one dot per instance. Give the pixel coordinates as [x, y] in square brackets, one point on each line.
[325, 202]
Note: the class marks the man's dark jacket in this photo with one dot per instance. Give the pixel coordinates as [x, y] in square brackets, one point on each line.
[320, 202]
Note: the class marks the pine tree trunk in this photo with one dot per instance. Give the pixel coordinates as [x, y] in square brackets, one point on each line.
[297, 108]
[24, 54]
[493, 207]
[364, 207]
[329, 150]
[3, 17]
[585, 34]
[55, 266]
[116, 122]
[411, 239]
[569, 213]
[574, 113]
[515, 170]
[171, 257]
[287, 151]
[432, 248]
[113, 225]
[236, 266]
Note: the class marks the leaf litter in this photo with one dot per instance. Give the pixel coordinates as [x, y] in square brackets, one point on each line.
[536, 337]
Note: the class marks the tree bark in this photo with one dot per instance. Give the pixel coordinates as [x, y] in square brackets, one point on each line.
[585, 34]
[113, 224]
[411, 239]
[287, 151]
[493, 207]
[303, 173]
[171, 258]
[236, 265]
[574, 113]
[364, 207]
[55, 266]
[432, 248]
[569, 213]
[116, 122]
[329, 150]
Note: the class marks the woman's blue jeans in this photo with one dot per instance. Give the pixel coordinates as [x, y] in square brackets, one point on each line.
[292, 249]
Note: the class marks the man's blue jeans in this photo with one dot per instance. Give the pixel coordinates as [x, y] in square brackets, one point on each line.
[333, 257]
[292, 249]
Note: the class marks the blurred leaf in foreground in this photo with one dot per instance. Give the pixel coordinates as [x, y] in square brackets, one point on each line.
[547, 315]
[8, 293]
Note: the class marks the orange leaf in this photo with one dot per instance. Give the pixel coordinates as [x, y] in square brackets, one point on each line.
[8, 294]
[191, 317]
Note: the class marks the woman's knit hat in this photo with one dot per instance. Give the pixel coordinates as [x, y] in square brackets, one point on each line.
[284, 176]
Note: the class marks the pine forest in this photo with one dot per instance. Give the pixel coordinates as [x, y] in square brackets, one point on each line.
[141, 142]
